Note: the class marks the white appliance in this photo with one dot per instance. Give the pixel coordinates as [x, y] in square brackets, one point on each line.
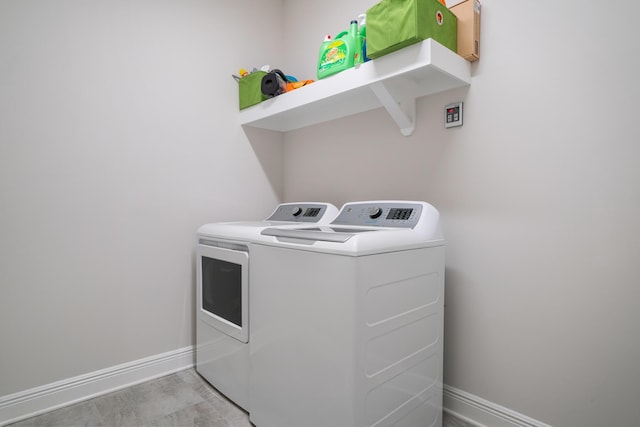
[223, 283]
[347, 320]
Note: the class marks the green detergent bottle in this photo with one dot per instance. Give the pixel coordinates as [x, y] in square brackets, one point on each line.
[339, 54]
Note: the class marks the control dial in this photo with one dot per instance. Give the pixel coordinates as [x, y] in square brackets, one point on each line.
[296, 211]
[375, 213]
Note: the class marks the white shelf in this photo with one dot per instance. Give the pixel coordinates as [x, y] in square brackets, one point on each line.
[393, 81]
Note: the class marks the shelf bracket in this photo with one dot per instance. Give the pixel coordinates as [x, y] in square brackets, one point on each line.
[402, 112]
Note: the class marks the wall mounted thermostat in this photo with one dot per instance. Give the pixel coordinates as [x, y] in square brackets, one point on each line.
[453, 115]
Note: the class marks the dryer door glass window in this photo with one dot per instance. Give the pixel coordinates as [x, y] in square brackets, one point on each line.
[222, 289]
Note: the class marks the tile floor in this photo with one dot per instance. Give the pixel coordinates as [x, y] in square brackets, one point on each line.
[180, 399]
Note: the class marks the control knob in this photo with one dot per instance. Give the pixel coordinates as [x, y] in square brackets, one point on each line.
[375, 213]
[296, 211]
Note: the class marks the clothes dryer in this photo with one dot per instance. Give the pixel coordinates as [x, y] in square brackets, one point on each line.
[223, 283]
[347, 320]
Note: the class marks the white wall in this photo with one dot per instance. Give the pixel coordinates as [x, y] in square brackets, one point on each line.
[539, 193]
[118, 138]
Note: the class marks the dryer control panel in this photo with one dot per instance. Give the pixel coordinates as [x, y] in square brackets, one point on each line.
[299, 212]
[380, 214]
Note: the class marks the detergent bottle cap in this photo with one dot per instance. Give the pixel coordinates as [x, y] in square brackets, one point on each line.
[353, 28]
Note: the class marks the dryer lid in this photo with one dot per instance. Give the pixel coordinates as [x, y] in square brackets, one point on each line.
[316, 234]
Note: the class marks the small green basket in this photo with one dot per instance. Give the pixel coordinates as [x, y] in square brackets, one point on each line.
[249, 89]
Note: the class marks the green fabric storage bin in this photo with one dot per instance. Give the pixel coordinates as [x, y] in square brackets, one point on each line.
[394, 24]
[250, 89]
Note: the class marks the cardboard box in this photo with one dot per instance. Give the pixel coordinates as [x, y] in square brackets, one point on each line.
[468, 14]
[394, 24]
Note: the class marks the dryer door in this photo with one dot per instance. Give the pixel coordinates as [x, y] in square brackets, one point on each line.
[223, 288]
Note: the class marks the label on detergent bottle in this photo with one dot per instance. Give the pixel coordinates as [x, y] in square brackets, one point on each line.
[334, 55]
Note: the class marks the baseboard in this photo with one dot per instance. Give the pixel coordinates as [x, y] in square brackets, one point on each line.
[25, 404]
[482, 413]
[35, 401]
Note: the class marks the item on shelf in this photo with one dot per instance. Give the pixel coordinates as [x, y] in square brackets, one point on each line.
[468, 14]
[362, 36]
[354, 33]
[249, 90]
[324, 58]
[394, 24]
[274, 83]
[292, 85]
[340, 54]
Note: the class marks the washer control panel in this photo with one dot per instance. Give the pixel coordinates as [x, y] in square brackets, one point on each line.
[298, 212]
[380, 214]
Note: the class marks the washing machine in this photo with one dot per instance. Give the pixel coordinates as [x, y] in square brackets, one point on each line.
[223, 259]
[347, 320]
